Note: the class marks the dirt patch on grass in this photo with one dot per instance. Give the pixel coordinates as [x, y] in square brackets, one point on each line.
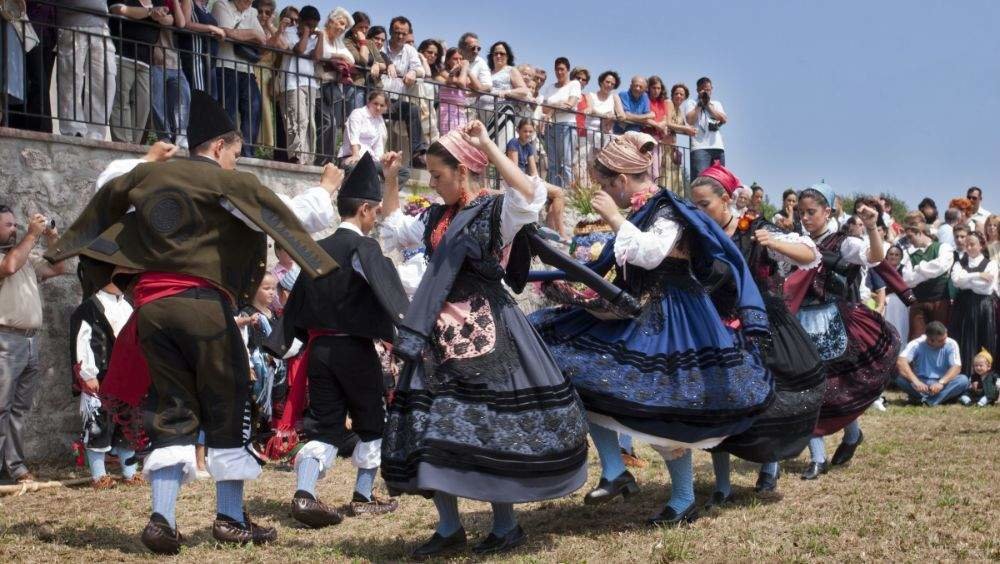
[922, 487]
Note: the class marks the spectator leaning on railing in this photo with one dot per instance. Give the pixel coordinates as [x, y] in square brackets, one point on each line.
[401, 75]
[635, 102]
[368, 62]
[334, 62]
[20, 322]
[134, 36]
[197, 51]
[87, 69]
[454, 79]
[234, 76]
[708, 117]
[560, 105]
[299, 87]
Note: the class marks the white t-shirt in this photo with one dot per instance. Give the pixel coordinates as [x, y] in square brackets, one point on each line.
[301, 70]
[703, 138]
[484, 75]
[558, 94]
[228, 17]
[366, 130]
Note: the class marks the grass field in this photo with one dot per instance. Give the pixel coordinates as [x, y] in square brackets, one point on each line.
[924, 486]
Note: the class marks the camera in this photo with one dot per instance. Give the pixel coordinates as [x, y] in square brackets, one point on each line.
[714, 125]
[52, 224]
[703, 98]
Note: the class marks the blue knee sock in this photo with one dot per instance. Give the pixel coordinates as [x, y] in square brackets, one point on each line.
[771, 468]
[625, 441]
[306, 475]
[852, 432]
[608, 450]
[229, 499]
[720, 463]
[365, 481]
[817, 449]
[448, 520]
[504, 519]
[124, 454]
[681, 482]
[96, 462]
[166, 484]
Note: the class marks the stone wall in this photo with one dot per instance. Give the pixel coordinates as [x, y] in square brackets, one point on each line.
[55, 176]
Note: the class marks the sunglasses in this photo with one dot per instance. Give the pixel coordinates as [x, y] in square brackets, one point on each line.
[499, 53]
[476, 49]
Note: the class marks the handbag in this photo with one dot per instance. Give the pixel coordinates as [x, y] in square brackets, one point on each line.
[246, 52]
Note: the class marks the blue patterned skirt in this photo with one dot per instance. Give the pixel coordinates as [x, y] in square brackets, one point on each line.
[676, 376]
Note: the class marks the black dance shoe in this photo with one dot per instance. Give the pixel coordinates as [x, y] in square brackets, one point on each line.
[495, 545]
[766, 482]
[606, 490]
[718, 499]
[845, 452]
[814, 470]
[438, 545]
[669, 518]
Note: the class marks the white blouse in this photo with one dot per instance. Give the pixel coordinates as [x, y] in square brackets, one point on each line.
[797, 239]
[965, 280]
[646, 249]
[854, 250]
[366, 130]
[117, 311]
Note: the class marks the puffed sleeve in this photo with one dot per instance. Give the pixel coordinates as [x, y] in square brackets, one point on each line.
[115, 169]
[401, 231]
[646, 249]
[518, 211]
[795, 239]
[930, 269]
[855, 251]
[84, 354]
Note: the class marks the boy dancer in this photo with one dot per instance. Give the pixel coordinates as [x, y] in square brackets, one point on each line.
[341, 316]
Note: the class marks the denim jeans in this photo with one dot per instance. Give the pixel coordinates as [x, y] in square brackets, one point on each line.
[19, 376]
[171, 103]
[559, 146]
[703, 158]
[951, 391]
[240, 96]
[329, 112]
[355, 96]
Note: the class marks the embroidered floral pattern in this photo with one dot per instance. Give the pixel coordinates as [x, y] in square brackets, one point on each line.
[466, 329]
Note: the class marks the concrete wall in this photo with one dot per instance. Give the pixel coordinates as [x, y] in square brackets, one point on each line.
[55, 176]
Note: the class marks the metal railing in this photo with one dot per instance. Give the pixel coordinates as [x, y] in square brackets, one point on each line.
[108, 85]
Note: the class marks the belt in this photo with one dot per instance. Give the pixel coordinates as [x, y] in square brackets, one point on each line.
[23, 332]
[201, 294]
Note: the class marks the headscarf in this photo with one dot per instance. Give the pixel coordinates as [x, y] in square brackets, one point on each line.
[457, 143]
[723, 176]
[825, 190]
[630, 153]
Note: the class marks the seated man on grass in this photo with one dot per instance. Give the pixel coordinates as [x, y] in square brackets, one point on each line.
[929, 368]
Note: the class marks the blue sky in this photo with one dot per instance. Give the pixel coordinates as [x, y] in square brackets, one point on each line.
[870, 96]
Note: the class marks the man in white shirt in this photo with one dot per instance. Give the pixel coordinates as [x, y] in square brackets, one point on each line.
[237, 87]
[298, 102]
[480, 77]
[979, 214]
[927, 269]
[561, 98]
[404, 68]
[708, 117]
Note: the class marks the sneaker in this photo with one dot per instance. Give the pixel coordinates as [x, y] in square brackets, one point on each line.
[965, 400]
[880, 404]
[983, 402]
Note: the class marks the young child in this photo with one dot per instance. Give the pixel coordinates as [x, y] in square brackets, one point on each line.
[983, 389]
[95, 325]
[255, 323]
[521, 149]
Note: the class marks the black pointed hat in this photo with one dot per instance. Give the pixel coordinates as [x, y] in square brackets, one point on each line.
[208, 119]
[363, 182]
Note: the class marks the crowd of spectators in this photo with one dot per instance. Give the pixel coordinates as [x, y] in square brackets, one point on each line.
[309, 88]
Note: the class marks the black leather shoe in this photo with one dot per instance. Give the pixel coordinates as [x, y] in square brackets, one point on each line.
[159, 537]
[438, 545]
[227, 530]
[495, 545]
[607, 490]
[312, 512]
[669, 518]
[845, 452]
[718, 499]
[814, 470]
[766, 482]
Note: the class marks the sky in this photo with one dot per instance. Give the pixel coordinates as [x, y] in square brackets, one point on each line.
[870, 96]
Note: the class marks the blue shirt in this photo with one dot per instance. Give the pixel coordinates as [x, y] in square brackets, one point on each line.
[931, 364]
[523, 152]
[632, 106]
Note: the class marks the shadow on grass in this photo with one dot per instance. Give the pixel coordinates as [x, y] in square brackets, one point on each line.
[88, 537]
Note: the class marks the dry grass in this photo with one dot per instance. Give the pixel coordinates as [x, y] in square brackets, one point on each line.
[923, 487]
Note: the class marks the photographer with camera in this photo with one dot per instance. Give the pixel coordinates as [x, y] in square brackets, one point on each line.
[708, 117]
[20, 323]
